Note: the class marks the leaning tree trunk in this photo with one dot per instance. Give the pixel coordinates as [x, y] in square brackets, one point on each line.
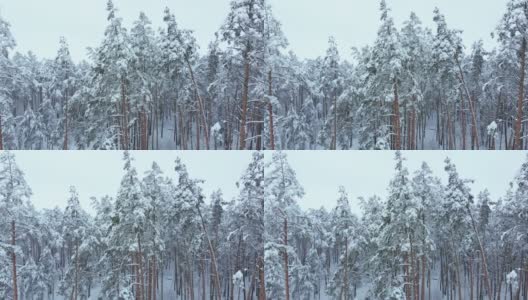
[483, 257]
[200, 105]
[517, 144]
[213, 257]
[474, 129]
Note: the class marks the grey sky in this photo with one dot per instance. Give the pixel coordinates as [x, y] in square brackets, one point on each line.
[99, 173]
[368, 173]
[37, 24]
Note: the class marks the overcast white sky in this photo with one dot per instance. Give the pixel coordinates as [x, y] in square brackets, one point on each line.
[38, 24]
[99, 173]
[368, 173]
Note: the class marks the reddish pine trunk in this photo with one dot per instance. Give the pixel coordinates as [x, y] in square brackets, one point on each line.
[463, 121]
[286, 268]
[200, 107]
[13, 260]
[213, 257]
[270, 111]
[262, 288]
[245, 95]
[396, 118]
[517, 145]
[124, 111]
[143, 124]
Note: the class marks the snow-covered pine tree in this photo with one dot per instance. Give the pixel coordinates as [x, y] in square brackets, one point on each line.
[7, 69]
[399, 234]
[387, 73]
[108, 111]
[512, 33]
[344, 281]
[75, 235]
[243, 32]
[15, 194]
[281, 214]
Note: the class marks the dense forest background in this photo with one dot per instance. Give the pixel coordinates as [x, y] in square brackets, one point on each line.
[425, 239]
[149, 88]
[160, 237]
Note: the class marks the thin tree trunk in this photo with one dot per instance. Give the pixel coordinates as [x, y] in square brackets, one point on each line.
[346, 269]
[517, 145]
[270, 111]
[13, 260]
[423, 277]
[483, 256]
[213, 256]
[150, 279]
[140, 270]
[200, 105]
[65, 145]
[470, 267]
[396, 118]
[471, 105]
[286, 268]
[76, 270]
[245, 95]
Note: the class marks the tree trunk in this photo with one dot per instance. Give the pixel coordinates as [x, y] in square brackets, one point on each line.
[140, 270]
[1, 135]
[423, 277]
[270, 111]
[463, 121]
[334, 134]
[345, 281]
[75, 294]
[150, 278]
[213, 256]
[245, 95]
[65, 145]
[517, 144]
[396, 118]
[200, 105]
[143, 123]
[474, 129]
[286, 271]
[483, 257]
[124, 121]
[13, 260]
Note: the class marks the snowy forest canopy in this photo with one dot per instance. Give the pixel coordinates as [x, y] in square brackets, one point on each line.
[145, 88]
[161, 238]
